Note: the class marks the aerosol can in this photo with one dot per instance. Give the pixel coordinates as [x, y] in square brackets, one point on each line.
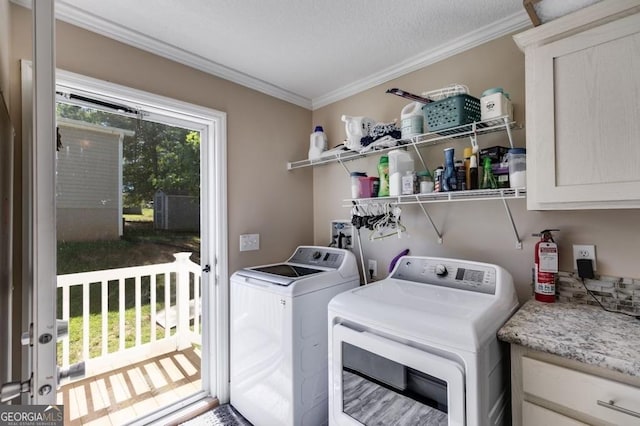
[546, 267]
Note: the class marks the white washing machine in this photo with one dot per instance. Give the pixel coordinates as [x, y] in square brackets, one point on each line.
[420, 347]
[278, 337]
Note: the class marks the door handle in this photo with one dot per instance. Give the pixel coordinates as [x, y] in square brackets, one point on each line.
[62, 329]
[74, 371]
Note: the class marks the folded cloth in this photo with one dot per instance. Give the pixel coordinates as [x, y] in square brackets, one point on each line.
[381, 130]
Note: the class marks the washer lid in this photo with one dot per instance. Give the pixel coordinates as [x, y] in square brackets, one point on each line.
[282, 273]
[308, 269]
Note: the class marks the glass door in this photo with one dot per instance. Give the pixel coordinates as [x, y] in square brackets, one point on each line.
[376, 381]
[136, 291]
[128, 258]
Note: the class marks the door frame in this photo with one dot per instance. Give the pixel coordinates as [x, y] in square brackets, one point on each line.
[39, 245]
[214, 250]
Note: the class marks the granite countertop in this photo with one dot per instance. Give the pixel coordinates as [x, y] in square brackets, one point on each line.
[580, 332]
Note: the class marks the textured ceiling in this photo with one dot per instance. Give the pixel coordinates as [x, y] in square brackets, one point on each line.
[310, 52]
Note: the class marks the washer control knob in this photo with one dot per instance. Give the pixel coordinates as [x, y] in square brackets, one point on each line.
[316, 255]
[441, 270]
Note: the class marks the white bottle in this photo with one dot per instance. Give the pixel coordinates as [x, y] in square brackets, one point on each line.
[411, 120]
[317, 143]
[400, 162]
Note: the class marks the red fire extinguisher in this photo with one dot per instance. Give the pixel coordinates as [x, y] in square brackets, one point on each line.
[546, 267]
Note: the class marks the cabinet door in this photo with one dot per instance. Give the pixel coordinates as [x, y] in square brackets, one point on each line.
[573, 391]
[584, 128]
[535, 415]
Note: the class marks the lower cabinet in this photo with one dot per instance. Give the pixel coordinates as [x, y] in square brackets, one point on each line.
[534, 415]
[550, 390]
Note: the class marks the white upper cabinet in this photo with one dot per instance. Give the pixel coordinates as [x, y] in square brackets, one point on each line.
[583, 109]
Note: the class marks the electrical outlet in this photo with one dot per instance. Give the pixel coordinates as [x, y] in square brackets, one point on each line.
[249, 242]
[372, 270]
[581, 251]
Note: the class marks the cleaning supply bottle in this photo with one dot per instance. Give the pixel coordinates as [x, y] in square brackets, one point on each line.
[411, 120]
[383, 173]
[467, 164]
[449, 182]
[461, 175]
[425, 182]
[437, 179]
[473, 172]
[317, 143]
[400, 162]
[488, 179]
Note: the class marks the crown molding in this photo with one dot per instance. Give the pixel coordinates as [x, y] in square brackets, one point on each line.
[71, 15]
[96, 24]
[580, 20]
[516, 22]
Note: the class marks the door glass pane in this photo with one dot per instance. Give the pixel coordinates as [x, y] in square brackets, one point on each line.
[379, 391]
[128, 238]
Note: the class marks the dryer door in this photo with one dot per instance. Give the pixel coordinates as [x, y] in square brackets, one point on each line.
[374, 380]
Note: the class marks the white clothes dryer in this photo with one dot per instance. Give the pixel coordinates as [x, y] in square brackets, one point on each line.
[278, 340]
[420, 347]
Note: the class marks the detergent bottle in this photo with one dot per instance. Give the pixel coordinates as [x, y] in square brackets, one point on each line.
[400, 162]
[383, 173]
[356, 128]
[317, 143]
[411, 120]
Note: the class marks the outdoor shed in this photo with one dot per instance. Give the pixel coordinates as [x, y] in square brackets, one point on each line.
[176, 212]
[89, 181]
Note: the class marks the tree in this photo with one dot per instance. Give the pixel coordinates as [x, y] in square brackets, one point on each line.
[157, 157]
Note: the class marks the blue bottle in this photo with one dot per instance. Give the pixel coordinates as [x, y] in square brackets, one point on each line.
[449, 179]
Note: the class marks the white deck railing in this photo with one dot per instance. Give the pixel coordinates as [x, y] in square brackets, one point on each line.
[180, 284]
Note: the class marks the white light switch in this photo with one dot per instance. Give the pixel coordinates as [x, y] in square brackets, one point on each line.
[249, 242]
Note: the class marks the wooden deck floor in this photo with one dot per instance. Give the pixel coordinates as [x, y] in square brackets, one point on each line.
[119, 396]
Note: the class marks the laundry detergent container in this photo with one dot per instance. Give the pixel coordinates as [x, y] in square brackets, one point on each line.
[400, 161]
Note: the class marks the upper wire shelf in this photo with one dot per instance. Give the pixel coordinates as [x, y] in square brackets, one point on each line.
[481, 127]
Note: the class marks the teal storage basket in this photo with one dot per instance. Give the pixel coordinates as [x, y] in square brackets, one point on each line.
[454, 111]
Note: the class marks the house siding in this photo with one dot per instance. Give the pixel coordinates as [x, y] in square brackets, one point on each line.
[88, 185]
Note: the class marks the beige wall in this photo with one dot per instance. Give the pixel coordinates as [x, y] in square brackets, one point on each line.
[475, 230]
[263, 133]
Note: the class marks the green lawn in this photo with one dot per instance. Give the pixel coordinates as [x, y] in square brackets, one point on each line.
[146, 216]
[141, 245]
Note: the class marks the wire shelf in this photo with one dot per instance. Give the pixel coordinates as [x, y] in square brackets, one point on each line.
[441, 197]
[427, 139]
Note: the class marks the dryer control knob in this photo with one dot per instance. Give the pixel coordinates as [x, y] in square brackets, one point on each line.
[441, 270]
[316, 255]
